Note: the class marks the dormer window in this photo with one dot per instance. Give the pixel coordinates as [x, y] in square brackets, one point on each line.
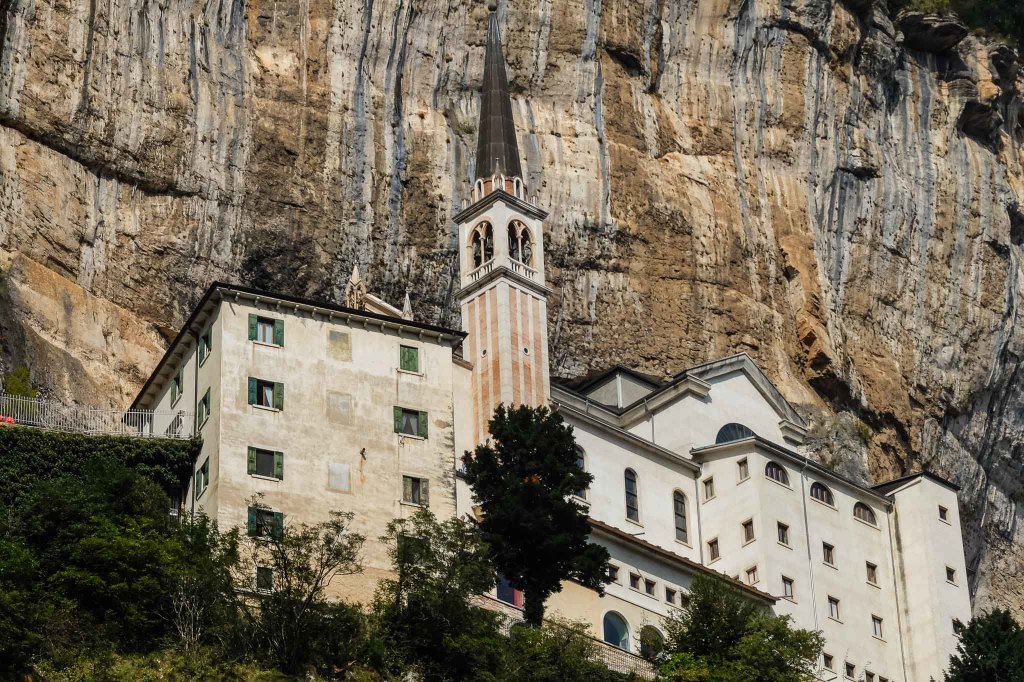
[731, 432]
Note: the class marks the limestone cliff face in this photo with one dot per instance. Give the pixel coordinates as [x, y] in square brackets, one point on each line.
[836, 191]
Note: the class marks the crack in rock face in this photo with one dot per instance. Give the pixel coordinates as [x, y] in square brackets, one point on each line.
[831, 189]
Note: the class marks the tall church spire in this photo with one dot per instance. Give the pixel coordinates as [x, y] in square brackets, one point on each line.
[497, 152]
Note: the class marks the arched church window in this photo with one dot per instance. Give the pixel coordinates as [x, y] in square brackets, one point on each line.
[520, 245]
[821, 493]
[864, 513]
[481, 244]
[679, 510]
[513, 242]
[632, 497]
[616, 632]
[731, 432]
[774, 471]
[652, 643]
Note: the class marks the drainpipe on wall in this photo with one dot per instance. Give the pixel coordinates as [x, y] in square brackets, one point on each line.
[807, 539]
[896, 588]
[195, 416]
[697, 506]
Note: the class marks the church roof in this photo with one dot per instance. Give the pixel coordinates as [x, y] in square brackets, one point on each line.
[497, 152]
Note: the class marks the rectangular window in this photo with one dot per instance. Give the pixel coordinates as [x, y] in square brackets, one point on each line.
[713, 549]
[950, 575]
[670, 595]
[828, 661]
[784, 534]
[265, 393]
[264, 579]
[205, 345]
[709, 488]
[265, 523]
[943, 513]
[410, 422]
[266, 330]
[748, 531]
[787, 588]
[202, 479]
[613, 573]
[743, 469]
[833, 608]
[634, 581]
[409, 358]
[869, 677]
[416, 491]
[876, 626]
[872, 571]
[851, 670]
[649, 586]
[828, 553]
[752, 575]
[176, 386]
[203, 409]
[269, 463]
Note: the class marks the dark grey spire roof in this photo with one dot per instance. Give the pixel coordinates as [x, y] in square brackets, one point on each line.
[496, 148]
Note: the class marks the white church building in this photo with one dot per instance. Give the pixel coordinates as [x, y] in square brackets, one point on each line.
[317, 407]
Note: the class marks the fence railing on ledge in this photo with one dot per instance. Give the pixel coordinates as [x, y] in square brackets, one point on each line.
[54, 416]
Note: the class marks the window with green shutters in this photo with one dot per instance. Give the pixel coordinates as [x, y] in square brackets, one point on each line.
[265, 393]
[176, 385]
[416, 491]
[409, 359]
[202, 479]
[203, 410]
[205, 345]
[266, 330]
[269, 463]
[265, 523]
[410, 422]
[264, 579]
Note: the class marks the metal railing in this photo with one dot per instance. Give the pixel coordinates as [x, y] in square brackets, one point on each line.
[54, 416]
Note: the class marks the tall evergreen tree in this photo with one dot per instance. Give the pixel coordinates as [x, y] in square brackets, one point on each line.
[524, 480]
[991, 649]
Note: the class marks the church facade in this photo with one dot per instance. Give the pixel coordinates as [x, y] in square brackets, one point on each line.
[311, 407]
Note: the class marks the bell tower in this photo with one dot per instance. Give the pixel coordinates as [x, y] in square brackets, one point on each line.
[503, 297]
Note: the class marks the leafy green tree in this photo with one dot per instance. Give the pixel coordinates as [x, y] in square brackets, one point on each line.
[536, 533]
[991, 649]
[722, 636]
[557, 652]
[428, 619]
[284, 575]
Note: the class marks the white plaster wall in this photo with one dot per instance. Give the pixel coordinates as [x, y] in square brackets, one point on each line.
[607, 458]
[693, 421]
[926, 546]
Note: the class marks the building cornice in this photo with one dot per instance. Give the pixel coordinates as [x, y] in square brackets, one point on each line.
[630, 438]
[475, 209]
[502, 272]
[768, 447]
[603, 529]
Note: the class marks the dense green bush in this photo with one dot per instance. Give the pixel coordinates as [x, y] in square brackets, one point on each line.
[1003, 19]
[32, 455]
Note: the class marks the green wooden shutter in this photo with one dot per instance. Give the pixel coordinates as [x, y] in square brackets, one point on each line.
[278, 525]
[409, 358]
[406, 489]
[424, 492]
[251, 461]
[279, 332]
[252, 327]
[278, 396]
[398, 419]
[252, 521]
[279, 465]
[423, 425]
[252, 390]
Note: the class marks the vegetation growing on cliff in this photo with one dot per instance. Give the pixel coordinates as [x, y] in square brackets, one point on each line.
[1002, 19]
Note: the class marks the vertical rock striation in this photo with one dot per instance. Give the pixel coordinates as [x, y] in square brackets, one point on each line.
[837, 191]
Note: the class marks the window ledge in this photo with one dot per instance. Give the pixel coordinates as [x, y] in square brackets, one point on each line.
[874, 585]
[833, 566]
[177, 400]
[880, 639]
[265, 344]
[261, 477]
[950, 582]
[742, 480]
[779, 483]
[635, 523]
[791, 600]
[835, 620]
[869, 525]
[749, 542]
[201, 493]
[582, 500]
[413, 504]
[825, 504]
[714, 561]
[265, 408]
[410, 436]
[410, 372]
[684, 543]
[201, 425]
[783, 544]
[945, 521]
[205, 358]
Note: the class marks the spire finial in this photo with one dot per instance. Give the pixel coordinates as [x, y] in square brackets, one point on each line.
[407, 307]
